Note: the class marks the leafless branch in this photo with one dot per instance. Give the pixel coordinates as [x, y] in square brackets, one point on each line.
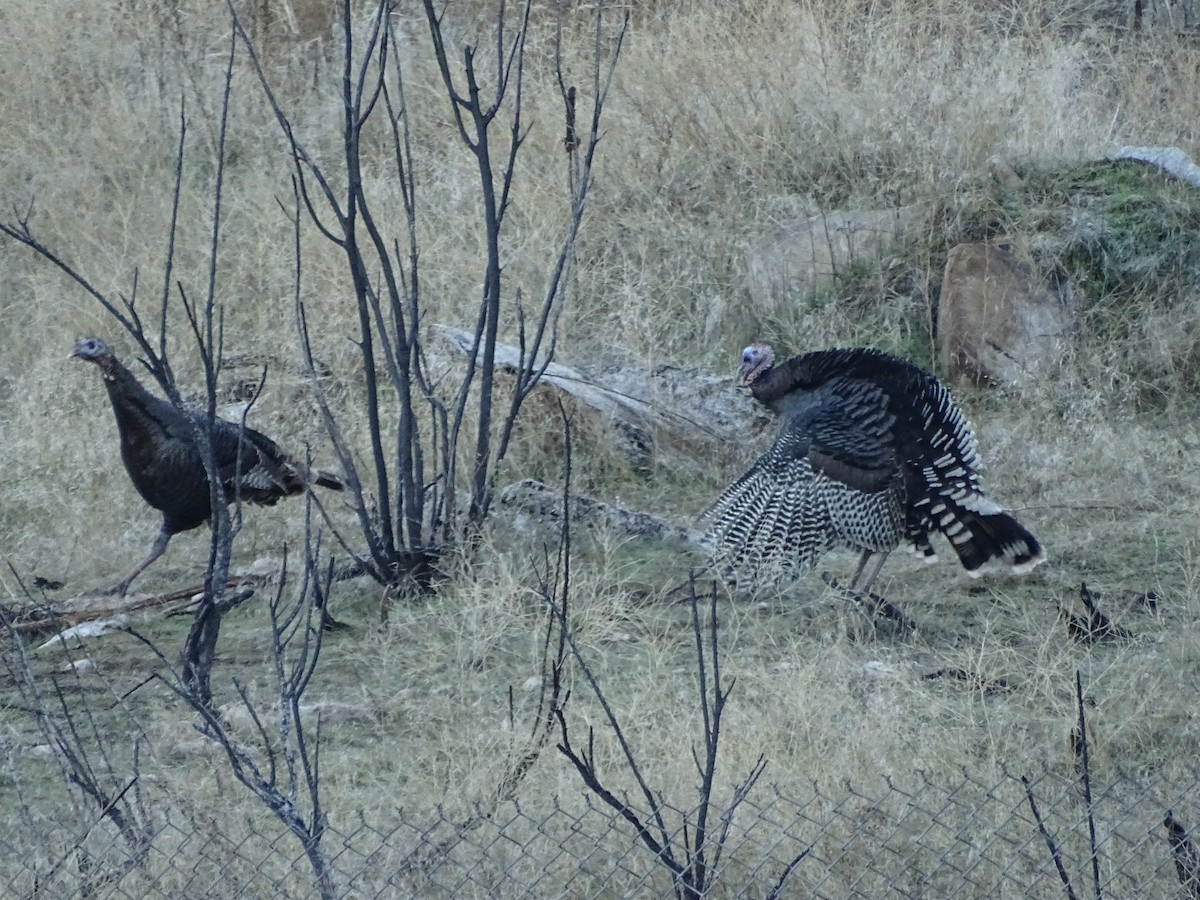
[693, 864]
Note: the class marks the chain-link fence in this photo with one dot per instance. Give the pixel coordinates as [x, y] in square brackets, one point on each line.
[911, 836]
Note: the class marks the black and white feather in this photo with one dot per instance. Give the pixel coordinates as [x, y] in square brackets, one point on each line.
[872, 453]
[159, 449]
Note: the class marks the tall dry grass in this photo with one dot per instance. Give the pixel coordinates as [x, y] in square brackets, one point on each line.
[726, 119]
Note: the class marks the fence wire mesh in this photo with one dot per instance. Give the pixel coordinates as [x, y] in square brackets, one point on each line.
[911, 837]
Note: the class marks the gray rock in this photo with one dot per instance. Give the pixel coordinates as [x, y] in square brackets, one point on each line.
[1169, 159]
[799, 256]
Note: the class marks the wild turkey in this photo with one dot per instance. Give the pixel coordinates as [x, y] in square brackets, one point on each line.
[158, 446]
[871, 452]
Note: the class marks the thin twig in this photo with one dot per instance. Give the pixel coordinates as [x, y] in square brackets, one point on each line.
[1085, 778]
[1050, 845]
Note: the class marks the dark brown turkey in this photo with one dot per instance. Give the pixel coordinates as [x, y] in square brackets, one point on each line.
[872, 452]
[158, 446]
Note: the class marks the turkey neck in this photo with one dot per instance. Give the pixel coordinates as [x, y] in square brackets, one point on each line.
[783, 388]
[142, 418]
[799, 373]
[812, 371]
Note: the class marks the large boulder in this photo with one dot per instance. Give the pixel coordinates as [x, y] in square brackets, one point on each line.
[798, 256]
[997, 323]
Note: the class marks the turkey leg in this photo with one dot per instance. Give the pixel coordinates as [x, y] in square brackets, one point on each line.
[159, 548]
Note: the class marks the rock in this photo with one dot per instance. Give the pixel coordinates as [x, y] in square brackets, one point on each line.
[1000, 170]
[996, 322]
[799, 256]
[90, 629]
[1169, 159]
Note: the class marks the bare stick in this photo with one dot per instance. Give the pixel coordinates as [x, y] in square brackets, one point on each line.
[1050, 845]
[1085, 779]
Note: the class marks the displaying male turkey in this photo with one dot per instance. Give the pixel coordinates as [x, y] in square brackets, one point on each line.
[872, 451]
[158, 446]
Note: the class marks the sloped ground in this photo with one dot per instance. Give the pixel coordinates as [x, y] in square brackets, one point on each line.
[1100, 459]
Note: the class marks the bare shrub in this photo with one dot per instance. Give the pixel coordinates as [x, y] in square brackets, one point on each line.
[406, 492]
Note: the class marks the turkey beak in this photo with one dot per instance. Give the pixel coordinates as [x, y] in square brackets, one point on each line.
[743, 373]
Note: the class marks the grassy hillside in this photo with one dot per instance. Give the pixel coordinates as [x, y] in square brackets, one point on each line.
[725, 121]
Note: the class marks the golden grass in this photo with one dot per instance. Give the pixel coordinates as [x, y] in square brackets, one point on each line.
[725, 120]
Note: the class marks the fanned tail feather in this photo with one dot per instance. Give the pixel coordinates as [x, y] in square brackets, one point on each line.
[760, 528]
[992, 538]
[737, 520]
[327, 480]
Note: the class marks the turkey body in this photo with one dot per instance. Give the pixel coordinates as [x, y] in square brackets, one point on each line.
[872, 452]
[160, 453]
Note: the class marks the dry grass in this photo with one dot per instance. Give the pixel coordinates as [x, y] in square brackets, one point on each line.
[726, 119]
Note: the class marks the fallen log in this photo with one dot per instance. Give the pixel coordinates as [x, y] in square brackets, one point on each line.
[45, 620]
[667, 413]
